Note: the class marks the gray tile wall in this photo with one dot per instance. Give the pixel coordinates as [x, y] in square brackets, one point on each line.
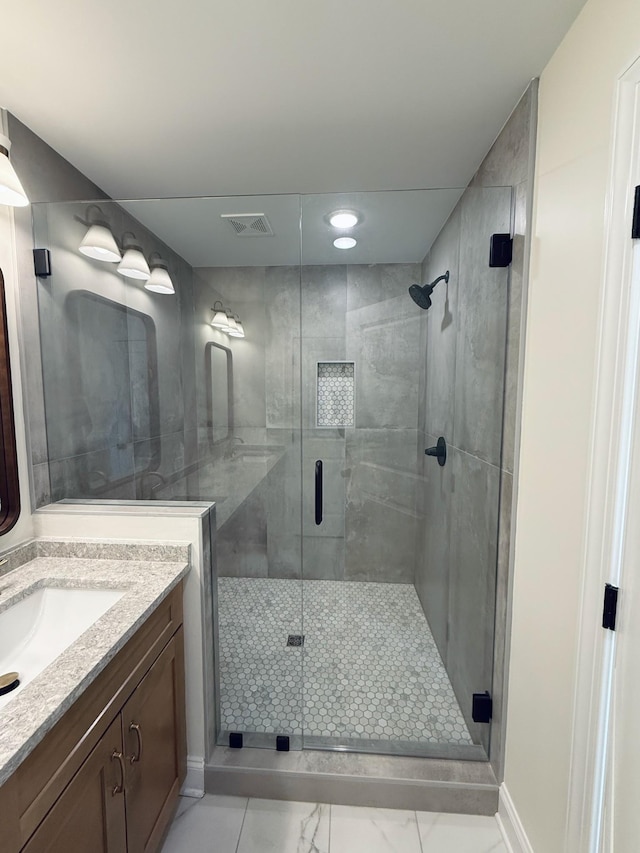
[471, 343]
[63, 457]
[356, 313]
[117, 368]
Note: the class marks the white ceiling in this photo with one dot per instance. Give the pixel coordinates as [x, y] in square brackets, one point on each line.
[394, 227]
[158, 98]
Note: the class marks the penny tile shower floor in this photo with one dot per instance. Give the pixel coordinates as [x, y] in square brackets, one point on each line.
[369, 666]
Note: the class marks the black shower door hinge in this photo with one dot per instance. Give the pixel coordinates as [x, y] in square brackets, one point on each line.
[635, 223]
[610, 608]
[500, 250]
[482, 707]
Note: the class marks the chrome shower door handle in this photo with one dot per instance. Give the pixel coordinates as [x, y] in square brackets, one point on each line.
[319, 492]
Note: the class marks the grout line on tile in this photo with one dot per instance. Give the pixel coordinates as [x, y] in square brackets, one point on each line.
[246, 806]
[415, 814]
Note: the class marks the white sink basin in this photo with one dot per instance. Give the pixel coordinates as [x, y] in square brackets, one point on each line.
[38, 628]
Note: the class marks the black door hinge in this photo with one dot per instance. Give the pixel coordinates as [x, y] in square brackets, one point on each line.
[635, 223]
[42, 262]
[482, 707]
[500, 250]
[610, 607]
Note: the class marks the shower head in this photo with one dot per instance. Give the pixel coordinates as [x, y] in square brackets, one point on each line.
[421, 294]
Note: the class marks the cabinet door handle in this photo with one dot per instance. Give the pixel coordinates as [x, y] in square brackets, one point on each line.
[135, 727]
[117, 756]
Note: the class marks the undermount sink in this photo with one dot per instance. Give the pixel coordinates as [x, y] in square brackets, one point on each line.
[39, 627]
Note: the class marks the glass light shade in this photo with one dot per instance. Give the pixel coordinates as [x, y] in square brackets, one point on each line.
[344, 242]
[134, 265]
[343, 219]
[11, 190]
[98, 243]
[220, 321]
[160, 281]
[238, 332]
[232, 327]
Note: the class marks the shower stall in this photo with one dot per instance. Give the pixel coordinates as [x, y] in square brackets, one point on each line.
[355, 573]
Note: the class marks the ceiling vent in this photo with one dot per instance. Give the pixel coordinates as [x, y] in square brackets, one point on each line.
[249, 224]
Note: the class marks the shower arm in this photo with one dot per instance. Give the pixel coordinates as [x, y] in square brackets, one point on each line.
[444, 277]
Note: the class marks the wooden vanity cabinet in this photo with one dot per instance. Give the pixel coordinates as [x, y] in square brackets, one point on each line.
[154, 754]
[90, 814]
[112, 786]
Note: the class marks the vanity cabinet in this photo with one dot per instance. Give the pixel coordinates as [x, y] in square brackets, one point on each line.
[151, 721]
[106, 778]
[90, 814]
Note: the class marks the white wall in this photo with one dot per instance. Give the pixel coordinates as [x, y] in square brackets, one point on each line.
[23, 530]
[576, 104]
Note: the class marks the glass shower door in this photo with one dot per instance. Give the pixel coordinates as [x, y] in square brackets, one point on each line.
[399, 553]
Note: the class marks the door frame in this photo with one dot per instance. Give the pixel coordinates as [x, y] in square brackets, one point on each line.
[615, 426]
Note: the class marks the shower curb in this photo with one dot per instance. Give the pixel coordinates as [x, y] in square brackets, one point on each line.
[417, 784]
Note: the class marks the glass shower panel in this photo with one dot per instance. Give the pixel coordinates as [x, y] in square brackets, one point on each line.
[245, 259]
[355, 586]
[146, 400]
[399, 559]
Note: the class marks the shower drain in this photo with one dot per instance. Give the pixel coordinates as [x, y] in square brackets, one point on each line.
[295, 640]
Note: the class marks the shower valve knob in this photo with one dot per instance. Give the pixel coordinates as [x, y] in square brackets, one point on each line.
[439, 451]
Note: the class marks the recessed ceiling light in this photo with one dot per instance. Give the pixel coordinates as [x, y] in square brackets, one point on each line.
[343, 219]
[344, 242]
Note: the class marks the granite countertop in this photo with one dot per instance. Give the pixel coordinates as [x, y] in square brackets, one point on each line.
[37, 708]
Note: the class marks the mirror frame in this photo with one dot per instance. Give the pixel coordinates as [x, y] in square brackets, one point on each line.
[9, 484]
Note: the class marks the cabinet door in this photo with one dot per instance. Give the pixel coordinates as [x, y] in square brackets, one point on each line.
[89, 817]
[153, 723]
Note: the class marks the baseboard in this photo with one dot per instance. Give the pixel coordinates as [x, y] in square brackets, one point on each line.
[510, 824]
[194, 782]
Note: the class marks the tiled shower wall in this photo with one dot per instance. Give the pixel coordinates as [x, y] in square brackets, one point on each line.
[119, 381]
[359, 314]
[463, 504]
[79, 437]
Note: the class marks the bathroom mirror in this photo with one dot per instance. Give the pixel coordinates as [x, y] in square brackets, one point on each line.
[112, 392]
[9, 488]
[219, 373]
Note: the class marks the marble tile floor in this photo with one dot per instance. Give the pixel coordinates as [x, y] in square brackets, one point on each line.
[219, 824]
[369, 667]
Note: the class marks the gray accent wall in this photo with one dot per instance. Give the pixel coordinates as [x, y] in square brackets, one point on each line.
[117, 362]
[294, 318]
[90, 434]
[471, 343]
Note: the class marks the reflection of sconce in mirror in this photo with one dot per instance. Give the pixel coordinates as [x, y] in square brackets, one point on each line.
[160, 281]
[133, 263]
[99, 243]
[236, 330]
[224, 321]
[220, 319]
[11, 190]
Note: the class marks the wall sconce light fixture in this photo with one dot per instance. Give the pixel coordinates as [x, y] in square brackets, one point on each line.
[11, 190]
[99, 243]
[160, 281]
[133, 263]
